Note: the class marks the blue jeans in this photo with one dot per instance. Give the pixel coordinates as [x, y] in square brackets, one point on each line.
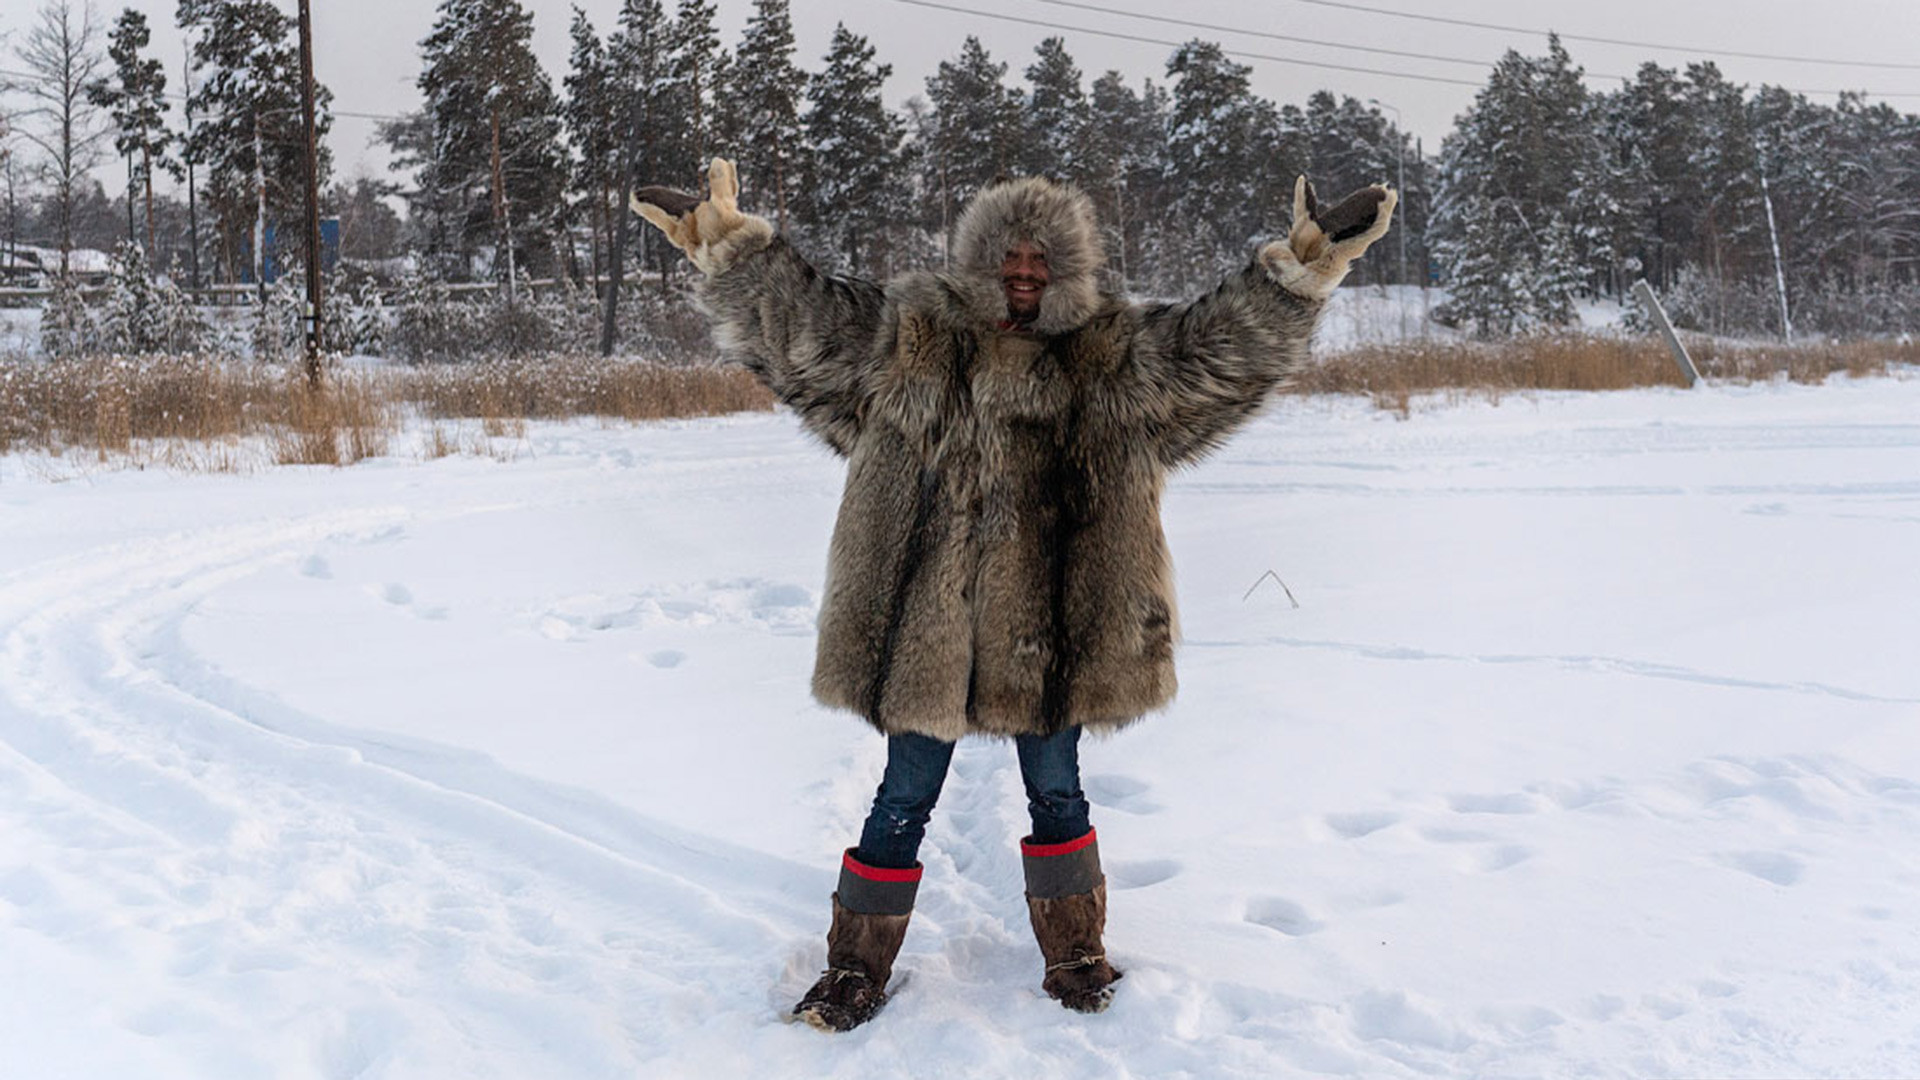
[917, 768]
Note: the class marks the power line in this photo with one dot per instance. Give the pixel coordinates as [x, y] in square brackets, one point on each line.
[172, 96]
[1266, 34]
[1320, 63]
[1615, 41]
[1177, 44]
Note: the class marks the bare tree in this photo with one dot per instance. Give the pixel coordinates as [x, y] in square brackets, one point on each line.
[61, 56]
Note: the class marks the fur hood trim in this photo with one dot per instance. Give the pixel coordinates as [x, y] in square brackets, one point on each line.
[1057, 218]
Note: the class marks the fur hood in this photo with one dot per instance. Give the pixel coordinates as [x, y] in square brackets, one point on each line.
[1059, 220]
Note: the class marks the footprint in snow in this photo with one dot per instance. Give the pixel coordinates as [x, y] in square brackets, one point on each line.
[1361, 823]
[1281, 915]
[1442, 834]
[1504, 857]
[402, 597]
[317, 568]
[1663, 1007]
[1714, 988]
[1141, 873]
[1122, 793]
[1515, 803]
[1774, 867]
[667, 658]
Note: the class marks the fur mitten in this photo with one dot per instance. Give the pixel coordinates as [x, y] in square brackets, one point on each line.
[1318, 250]
[713, 233]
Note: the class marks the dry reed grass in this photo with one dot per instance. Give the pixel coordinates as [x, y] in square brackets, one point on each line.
[204, 413]
[191, 412]
[562, 387]
[1393, 375]
[107, 404]
[347, 418]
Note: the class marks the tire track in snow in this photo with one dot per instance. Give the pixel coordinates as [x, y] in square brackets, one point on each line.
[297, 846]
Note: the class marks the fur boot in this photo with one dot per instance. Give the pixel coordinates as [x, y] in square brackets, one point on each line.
[870, 913]
[1067, 901]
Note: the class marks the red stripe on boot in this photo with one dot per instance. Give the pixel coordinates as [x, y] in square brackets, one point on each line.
[878, 873]
[1040, 851]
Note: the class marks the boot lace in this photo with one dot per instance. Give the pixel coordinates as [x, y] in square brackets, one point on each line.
[1077, 962]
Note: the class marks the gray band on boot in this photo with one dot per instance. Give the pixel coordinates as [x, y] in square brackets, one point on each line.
[1056, 870]
[871, 890]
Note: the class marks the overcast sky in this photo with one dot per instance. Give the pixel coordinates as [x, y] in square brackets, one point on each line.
[367, 51]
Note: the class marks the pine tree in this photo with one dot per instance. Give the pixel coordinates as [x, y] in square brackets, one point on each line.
[592, 119]
[1122, 168]
[134, 97]
[1057, 114]
[497, 176]
[248, 131]
[1730, 236]
[693, 49]
[853, 192]
[764, 95]
[1514, 161]
[639, 60]
[975, 133]
[1218, 141]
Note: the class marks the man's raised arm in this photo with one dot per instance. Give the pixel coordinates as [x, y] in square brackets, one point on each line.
[1205, 366]
[811, 338]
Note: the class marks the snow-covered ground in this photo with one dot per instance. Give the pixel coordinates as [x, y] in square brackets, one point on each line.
[19, 330]
[1592, 749]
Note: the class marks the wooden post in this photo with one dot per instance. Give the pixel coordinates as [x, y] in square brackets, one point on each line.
[1645, 292]
[314, 341]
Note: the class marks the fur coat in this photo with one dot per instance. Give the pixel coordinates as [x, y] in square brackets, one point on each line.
[998, 564]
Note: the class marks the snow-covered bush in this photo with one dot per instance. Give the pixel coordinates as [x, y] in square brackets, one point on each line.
[429, 325]
[67, 327]
[358, 322]
[143, 314]
[278, 333]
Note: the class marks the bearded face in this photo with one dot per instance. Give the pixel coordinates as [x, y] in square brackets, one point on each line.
[1024, 277]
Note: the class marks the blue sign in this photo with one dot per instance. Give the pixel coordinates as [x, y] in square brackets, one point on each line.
[329, 252]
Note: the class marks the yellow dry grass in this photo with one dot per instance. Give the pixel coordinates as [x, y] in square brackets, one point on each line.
[207, 413]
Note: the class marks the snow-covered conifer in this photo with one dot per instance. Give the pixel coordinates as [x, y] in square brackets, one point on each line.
[854, 192]
[135, 97]
[491, 112]
[1057, 114]
[591, 112]
[764, 96]
[975, 130]
[1219, 141]
[247, 130]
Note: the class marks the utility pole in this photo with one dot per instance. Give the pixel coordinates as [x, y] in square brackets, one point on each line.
[502, 211]
[1400, 168]
[193, 204]
[1779, 274]
[313, 198]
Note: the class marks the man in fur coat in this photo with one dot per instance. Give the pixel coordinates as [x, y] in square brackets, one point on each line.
[998, 566]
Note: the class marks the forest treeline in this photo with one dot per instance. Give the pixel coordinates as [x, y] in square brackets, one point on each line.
[1547, 191]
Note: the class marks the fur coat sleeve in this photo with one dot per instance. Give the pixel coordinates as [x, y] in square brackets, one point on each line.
[1202, 368]
[813, 339]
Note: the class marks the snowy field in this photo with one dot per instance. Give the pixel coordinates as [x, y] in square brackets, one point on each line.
[1591, 749]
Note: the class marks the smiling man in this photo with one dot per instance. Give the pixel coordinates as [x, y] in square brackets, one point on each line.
[1024, 274]
[998, 566]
